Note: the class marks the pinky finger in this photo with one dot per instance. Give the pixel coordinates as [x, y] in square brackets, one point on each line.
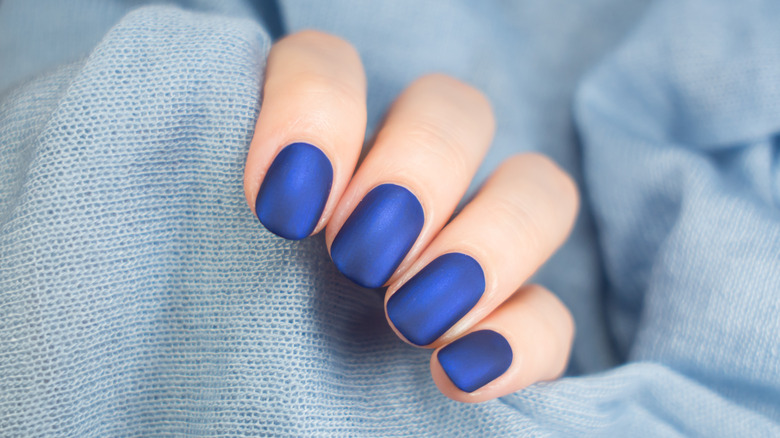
[526, 340]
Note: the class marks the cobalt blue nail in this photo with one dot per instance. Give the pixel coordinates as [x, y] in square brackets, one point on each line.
[377, 235]
[436, 298]
[294, 191]
[476, 359]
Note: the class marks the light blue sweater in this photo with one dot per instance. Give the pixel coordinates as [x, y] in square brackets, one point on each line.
[140, 297]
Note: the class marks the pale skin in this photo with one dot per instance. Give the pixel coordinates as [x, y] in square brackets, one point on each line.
[432, 141]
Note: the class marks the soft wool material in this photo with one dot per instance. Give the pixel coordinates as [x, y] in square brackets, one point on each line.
[140, 297]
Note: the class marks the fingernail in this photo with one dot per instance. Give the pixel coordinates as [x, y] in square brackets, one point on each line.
[436, 298]
[476, 359]
[377, 235]
[294, 191]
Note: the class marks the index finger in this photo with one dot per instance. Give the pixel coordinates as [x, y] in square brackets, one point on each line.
[308, 135]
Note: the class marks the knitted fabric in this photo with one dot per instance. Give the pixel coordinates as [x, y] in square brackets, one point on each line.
[139, 296]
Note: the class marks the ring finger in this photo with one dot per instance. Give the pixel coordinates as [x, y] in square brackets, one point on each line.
[519, 218]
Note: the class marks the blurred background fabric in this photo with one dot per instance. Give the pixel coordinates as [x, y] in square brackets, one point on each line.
[140, 297]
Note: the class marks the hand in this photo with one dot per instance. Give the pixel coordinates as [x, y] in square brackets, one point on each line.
[456, 287]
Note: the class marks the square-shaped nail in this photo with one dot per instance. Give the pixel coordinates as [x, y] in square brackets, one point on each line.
[476, 359]
[294, 191]
[436, 298]
[377, 235]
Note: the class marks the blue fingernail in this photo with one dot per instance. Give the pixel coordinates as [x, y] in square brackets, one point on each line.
[476, 359]
[436, 298]
[376, 237]
[294, 191]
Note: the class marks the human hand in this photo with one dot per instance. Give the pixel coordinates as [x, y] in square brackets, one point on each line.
[455, 287]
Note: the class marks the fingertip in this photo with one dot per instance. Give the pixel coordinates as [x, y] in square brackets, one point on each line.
[526, 340]
[308, 135]
[477, 367]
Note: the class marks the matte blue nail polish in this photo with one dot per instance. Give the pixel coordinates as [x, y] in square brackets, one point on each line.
[436, 298]
[378, 234]
[294, 191]
[476, 359]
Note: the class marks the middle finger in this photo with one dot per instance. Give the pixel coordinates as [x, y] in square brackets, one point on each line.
[421, 164]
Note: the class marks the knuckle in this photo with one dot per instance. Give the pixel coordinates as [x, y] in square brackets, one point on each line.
[330, 47]
[315, 86]
[312, 83]
[322, 40]
[534, 160]
[554, 177]
[318, 64]
[552, 317]
[460, 94]
[475, 99]
[558, 317]
[435, 140]
[309, 34]
[453, 86]
[518, 220]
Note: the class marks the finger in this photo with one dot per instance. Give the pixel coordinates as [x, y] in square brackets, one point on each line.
[524, 341]
[308, 135]
[518, 219]
[422, 161]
